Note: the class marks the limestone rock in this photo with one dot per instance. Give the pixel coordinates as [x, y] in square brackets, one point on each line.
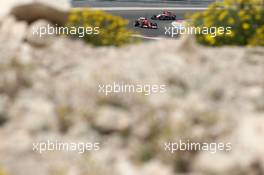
[110, 119]
[38, 39]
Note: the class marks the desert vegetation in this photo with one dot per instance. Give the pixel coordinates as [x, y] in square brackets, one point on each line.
[245, 17]
[112, 29]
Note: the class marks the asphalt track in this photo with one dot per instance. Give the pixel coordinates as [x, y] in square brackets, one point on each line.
[160, 32]
[132, 10]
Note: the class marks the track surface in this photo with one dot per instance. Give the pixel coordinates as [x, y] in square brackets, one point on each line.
[160, 32]
[133, 10]
[141, 3]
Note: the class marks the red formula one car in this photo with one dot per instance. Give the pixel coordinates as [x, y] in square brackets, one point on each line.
[145, 23]
[166, 15]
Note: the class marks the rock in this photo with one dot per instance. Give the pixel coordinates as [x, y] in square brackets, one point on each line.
[37, 114]
[12, 33]
[246, 139]
[4, 103]
[6, 6]
[156, 167]
[9, 146]
[37, 39]
[110, 119]
[60, 4]
[124, 166]
[36, 11]
[24, 55]
[218, 163]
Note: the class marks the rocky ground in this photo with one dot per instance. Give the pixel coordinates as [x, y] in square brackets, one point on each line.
[49, 90]
[6, 5]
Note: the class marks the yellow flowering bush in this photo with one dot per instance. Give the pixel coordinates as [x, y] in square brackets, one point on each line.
[258, 38]
[2, 171]
[101, 28]
[244, 18]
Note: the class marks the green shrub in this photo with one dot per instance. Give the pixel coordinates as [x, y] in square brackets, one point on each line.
[245, 17]
[107, 29]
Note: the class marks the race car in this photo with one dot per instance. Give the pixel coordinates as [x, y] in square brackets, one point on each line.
[145, 23]
[166, 15]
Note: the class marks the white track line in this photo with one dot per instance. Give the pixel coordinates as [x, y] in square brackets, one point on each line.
[147, 8]
[147, 37]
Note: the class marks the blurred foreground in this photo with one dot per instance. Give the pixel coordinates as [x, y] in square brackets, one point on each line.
[49, 91]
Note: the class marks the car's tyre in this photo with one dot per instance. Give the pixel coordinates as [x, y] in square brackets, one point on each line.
[155, 25]
[136, 24]
[154, 17]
